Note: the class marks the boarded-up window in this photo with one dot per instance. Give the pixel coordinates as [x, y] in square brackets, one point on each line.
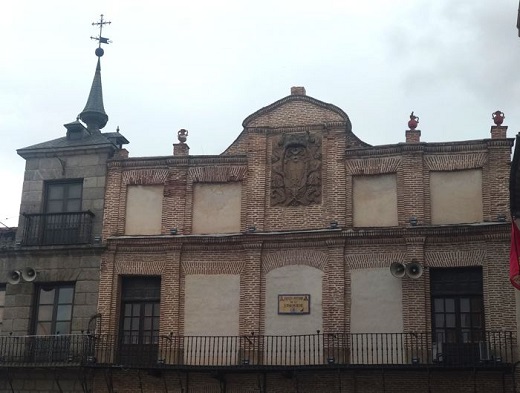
[212, 305]
[375, 200]
[456, 197]
[216, 207]
[376, 302]
[144, 210]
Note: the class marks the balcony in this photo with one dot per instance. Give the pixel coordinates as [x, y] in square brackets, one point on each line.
[57, 229]
[357, 350]
[41, 351]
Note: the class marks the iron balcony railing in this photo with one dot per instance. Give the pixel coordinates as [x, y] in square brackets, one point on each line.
[328, 349]
[57, 228]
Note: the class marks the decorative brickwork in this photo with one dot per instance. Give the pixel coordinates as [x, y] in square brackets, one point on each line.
[296, 170]
[319, 234]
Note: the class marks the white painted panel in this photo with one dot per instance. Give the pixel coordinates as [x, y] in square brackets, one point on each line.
[212, 309]
[212, 305]
[293, 279]
[216, 207]
[297, 350]
[144, 210]
[456, 196]
[376, 307]
[375, 200]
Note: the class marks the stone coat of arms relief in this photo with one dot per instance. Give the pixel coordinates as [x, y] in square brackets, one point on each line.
[296, 170]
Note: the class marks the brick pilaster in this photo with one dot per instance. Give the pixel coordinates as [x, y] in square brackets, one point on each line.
[414, 293]
[334, 318]
[251, 299]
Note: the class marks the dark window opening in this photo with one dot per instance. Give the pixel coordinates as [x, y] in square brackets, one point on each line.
[140, 314]
[63, 224]
[63, 197]
[53, 314]
[457, 313]
[2, 304]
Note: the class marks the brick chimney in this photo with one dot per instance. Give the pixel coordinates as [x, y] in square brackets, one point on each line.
[121, 153]
[413, 136]
[181, 149]
[498, 132]
[298, 91]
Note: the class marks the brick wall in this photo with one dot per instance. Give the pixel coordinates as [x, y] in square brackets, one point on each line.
[292, 235]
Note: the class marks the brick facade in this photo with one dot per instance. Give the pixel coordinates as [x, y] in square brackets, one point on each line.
[301, 234]
[297, 161]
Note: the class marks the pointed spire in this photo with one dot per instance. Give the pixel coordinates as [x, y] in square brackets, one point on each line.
[94, 115]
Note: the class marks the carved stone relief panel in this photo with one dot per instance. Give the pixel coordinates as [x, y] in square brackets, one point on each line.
[296, 170]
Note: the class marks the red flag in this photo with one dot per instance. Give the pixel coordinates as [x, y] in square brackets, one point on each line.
[514, 263]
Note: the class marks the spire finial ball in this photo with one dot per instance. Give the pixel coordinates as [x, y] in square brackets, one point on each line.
[99, 52]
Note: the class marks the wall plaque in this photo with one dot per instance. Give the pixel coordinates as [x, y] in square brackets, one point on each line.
[294, 304]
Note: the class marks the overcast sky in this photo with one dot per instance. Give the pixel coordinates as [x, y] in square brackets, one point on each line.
[206, 65]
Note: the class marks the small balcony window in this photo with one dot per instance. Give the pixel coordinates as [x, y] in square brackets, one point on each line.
[2, 304]
[54, 309]
[62, 222]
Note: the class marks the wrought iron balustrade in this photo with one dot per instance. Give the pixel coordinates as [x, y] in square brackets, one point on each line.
[57, 228]
[52, 350]
[324, 349]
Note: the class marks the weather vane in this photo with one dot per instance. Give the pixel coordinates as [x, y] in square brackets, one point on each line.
[100, 38]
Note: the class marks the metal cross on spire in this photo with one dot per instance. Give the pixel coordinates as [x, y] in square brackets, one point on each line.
[100, 38]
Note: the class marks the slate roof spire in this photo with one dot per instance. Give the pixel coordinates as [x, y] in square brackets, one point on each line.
[94, 115]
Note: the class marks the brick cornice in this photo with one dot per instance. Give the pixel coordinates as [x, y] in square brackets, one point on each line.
[310, 238]
[308, 127]
[170, 161]
[424, 147]
[508, 142]
[44, 251]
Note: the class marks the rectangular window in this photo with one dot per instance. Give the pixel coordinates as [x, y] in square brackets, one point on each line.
[2, 304]
[62, 223]
[457, 312]
[140, 311]
[53, 313]
[63, 197]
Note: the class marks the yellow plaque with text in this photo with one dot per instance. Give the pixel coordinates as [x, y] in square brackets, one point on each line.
[294, 304]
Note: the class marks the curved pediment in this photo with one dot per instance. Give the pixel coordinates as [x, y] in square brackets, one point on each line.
[297, 110]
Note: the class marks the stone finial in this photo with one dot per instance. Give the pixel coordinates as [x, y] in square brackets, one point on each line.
[413, 135]
[298, 91]
[498, 117]
[498, 131]
[181, 148]
[182, 135]
[413, 122]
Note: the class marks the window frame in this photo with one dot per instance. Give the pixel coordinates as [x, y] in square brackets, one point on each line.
[65, 199]
[457, 285]
[142, 300]
[57, 287]
[3, 289]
